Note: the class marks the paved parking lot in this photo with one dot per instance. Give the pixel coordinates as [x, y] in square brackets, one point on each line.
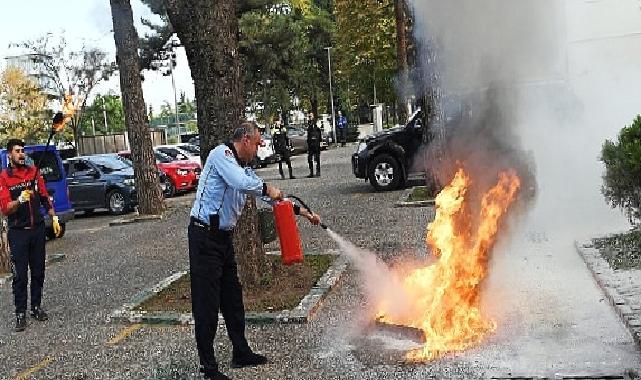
[552, 318]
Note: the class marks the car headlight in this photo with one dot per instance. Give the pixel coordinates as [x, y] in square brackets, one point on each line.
[361, 147]
[182, 172]
[129, 182]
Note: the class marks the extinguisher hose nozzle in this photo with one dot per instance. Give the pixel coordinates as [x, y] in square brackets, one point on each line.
[307, 207]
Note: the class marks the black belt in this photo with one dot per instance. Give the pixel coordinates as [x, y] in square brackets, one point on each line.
[202, 225]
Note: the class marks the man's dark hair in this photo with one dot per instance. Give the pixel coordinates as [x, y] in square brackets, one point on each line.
[14, 142]
[246, 128]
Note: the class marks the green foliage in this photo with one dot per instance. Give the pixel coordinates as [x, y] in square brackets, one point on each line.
[185, 105]
[366, 50]
[272, 46]
[94, 114]
[23, 112]
[622, 178]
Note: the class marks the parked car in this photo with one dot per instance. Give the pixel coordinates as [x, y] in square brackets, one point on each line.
[55, 177]
[178, 175]
[266, 154]
[385, 158]
[101, 181]
[181, 152]
[195, 141]
[297, 139]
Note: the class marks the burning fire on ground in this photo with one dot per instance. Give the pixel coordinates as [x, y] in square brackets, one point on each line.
[444, 297]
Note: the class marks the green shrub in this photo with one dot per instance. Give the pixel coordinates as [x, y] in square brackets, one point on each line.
[622, 178]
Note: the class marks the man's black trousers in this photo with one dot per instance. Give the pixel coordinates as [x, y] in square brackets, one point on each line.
[27, 253]
[284, 157]
[313, 154]
[214, 285]
[342, 135]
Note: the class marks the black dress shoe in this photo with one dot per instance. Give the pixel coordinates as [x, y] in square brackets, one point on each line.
[247, 360]
[310, 176]
[21, 322]
[214, 374]
[38, 314]
[292, 177]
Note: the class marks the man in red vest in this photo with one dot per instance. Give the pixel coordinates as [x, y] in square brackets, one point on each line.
[22, 192]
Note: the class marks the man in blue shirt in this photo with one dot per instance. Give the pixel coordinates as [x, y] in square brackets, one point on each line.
[225, 182]
[342, 128]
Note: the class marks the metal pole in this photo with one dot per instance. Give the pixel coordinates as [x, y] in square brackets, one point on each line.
[374, 71]
[331, 93]
[173, 84]
[104, 115]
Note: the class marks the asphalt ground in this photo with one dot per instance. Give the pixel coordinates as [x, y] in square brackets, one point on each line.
[551, 317]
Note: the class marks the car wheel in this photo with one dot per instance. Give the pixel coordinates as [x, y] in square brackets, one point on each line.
[116, 202]
[385, 173]
[51, 235]
[170, 189]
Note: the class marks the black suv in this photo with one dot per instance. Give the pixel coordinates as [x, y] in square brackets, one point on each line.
[101, 181]
[385, 157]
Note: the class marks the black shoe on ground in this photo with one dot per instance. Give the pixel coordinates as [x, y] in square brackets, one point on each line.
[292, 177]
[310, 176]
[248, 360]
[21, 322]
[214, 374]
[38, 314]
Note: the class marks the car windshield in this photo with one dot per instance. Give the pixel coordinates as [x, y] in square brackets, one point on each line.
[193, 149]
[49, 167]
[162, 158]
[108, 164]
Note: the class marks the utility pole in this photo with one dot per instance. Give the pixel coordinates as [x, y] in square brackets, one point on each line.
[331, 93]
[104, 115]
[172, 62]
[167, 59]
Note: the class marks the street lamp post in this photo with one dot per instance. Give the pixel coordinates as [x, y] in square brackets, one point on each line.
[331, 93]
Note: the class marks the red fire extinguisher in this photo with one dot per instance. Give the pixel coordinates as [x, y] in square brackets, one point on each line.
[291, 249]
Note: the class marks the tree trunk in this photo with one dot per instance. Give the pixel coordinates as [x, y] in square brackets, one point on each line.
[209, 32]
[249, 248]
[150, 198]
[314, 102]
[401, 58]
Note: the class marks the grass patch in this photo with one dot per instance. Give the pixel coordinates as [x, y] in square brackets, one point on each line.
[283, 289]
[622, 251]
[419, 193]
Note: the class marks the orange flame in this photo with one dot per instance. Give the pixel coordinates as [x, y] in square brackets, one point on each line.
[68, 110]
[445, 295]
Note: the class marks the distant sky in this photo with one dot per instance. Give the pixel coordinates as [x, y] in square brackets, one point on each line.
[86, 22]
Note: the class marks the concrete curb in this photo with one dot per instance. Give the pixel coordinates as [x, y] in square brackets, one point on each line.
[135, 219]
[403, 200]
[604, 276]
[302, 313]
[52, 258]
